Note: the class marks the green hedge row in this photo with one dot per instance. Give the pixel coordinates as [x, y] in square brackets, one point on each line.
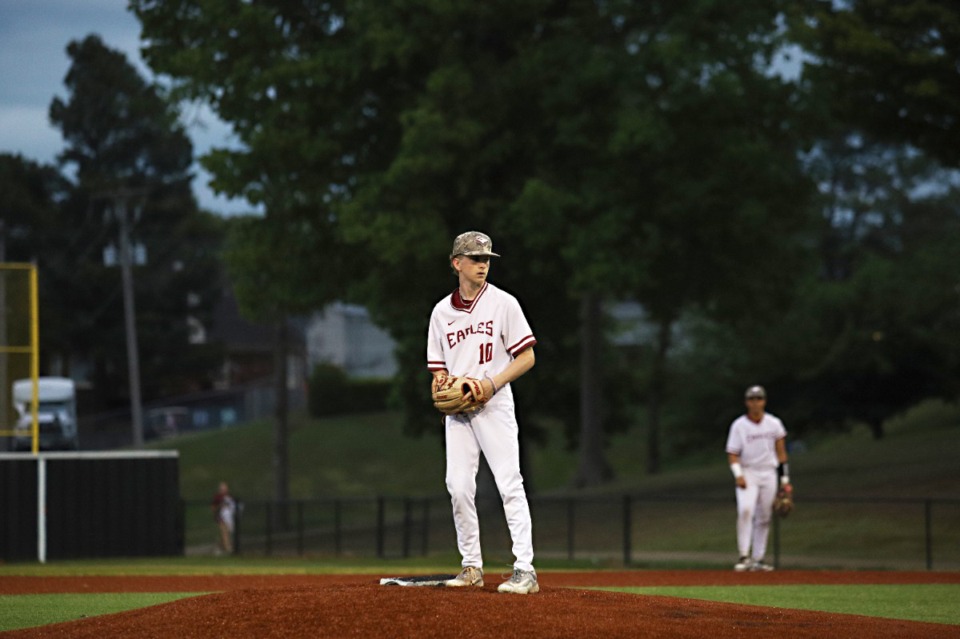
[331, 392]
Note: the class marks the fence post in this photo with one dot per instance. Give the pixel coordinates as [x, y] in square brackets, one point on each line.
[928, 530]
[182, 523]
[570, 525]
[407, 523]
[237, 523]
[300, 527]
[425, 543]
[627, 519]
[337, 548]
[381, 507]
[269, 549]
[776, 541]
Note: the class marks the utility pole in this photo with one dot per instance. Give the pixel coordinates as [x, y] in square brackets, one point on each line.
[122, 201]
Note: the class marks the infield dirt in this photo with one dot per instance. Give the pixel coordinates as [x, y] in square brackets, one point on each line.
[357, 606]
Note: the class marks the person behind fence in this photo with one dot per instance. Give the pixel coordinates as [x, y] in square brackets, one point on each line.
[224, 509]
[757, 454]
[479, 339]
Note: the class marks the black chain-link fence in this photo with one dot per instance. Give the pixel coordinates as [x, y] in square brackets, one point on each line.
[628, 530]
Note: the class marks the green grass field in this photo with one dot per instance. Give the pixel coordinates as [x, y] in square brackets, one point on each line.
[934, 603]
[27, 611]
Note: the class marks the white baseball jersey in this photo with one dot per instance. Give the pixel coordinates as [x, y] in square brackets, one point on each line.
[756, 443]
[473, 339]
[478, 338]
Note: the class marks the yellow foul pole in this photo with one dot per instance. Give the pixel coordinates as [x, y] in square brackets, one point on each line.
[35, 356]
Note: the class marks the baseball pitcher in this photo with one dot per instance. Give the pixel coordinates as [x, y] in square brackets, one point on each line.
[478, 342]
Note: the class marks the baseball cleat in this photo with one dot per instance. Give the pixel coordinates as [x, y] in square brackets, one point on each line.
[759, 566]
[469, 576]
[743, 565]
[521, 582]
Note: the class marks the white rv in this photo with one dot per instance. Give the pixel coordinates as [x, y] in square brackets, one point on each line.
[56, 414]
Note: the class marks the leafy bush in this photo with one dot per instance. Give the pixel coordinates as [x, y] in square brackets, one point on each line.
[331, 392]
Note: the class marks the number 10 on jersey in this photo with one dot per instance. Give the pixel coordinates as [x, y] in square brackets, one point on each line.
[486, 352]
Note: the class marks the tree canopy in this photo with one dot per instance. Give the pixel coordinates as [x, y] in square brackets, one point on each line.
[587, 137]
[129, 151]
[890, 68]
[615, 151]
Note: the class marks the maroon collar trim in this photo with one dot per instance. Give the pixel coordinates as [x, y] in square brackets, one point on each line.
[458, 303]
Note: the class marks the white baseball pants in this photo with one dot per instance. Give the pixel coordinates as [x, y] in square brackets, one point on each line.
[494, 432]
[755, 510]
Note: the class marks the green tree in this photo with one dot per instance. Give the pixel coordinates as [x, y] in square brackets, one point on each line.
[880, 319]
[125, 142]
[273, 263]
[29, 193]
[870, 330]
[889, 68]
[610, 149]
[297, 153]
[322, 97]
[682, 182]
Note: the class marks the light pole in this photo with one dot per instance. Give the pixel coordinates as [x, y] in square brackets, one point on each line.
[120, 207]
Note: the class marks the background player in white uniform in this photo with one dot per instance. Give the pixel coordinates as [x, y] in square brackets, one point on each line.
[480, 331]
[757, 453]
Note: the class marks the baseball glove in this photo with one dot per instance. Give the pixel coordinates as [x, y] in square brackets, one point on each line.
[783, 504]
[454, 395]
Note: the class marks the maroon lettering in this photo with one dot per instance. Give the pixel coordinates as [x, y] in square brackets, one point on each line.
[480, 328]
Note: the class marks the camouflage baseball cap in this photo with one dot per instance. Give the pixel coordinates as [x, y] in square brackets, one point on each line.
[473, 243]
[755, 391]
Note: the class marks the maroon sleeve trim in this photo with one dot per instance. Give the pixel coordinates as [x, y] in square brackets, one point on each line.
[522, 345]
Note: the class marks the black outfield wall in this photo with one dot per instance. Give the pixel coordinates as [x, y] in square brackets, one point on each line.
[97, 505]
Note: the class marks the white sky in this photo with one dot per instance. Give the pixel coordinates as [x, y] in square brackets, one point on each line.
[34, 35]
